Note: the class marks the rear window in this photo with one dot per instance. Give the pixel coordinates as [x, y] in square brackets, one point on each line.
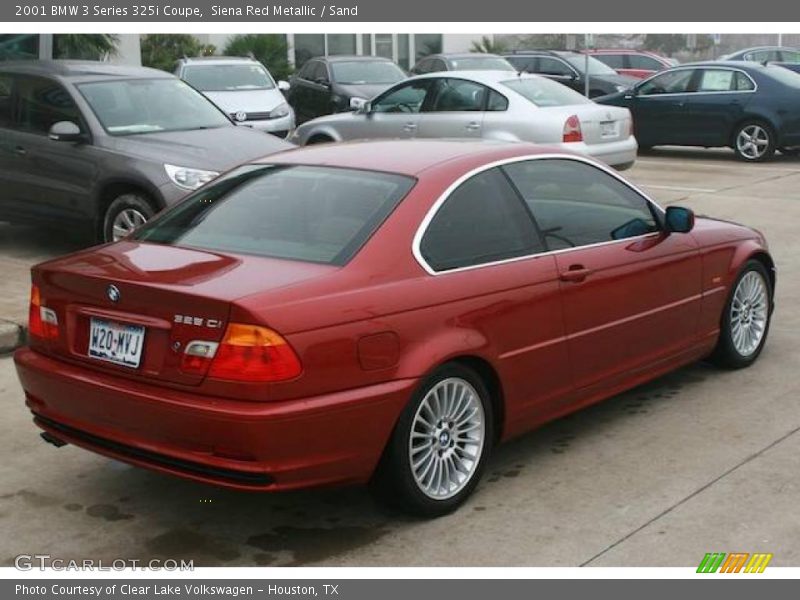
[543, 92]
[296, 212]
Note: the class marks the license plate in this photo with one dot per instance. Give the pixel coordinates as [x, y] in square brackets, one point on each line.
[116, 342]
[608, 128]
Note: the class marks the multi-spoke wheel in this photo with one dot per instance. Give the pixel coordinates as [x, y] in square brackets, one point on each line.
[745, 322]
[124, 214]
[440, 444]
[754, 141]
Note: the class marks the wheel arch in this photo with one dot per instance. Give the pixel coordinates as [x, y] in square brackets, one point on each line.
[322, 132]
[110, 189]
[763, 118]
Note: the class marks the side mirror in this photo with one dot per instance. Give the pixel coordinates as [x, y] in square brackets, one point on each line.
[65, 131]
[358, 104]
[679, 219]
[283, 85]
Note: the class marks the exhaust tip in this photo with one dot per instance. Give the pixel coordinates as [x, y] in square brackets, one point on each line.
[51, 439]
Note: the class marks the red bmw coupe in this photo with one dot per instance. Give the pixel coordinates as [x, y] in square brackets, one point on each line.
[381, 312]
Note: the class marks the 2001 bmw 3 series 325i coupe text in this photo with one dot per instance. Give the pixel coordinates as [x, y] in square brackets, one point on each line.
[381, 312]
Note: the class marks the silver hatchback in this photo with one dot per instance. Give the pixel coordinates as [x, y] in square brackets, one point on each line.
[484, 104]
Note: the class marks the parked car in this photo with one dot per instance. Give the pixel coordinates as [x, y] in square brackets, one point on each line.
[638, 64]
[749, 107]
[569, 68]
[384, 312]
[243, 88]
[326, 84]
[461, 61]
[765, 54]
[484, 104]
[791, 66]
[91, 146]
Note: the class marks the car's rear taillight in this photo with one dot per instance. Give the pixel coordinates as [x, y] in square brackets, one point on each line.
[42, 321]
[572, 130]
[246, 353]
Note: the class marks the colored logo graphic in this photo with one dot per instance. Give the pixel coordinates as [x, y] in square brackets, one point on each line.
[735, 562]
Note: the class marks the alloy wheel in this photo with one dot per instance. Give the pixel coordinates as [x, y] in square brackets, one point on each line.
[752, 141]
[749, 313]
[126, 221]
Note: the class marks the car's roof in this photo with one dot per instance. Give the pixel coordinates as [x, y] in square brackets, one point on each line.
[407, 157]
[351, 58]
[463, 55]
[218, 59]
[83, 70]
[538, 51]
[486, 77]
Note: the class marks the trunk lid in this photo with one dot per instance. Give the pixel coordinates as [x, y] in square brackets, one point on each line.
[601, 124]
[176, 294]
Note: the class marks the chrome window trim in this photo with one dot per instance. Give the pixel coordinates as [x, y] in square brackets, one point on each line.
[423, 226]
[695, 68]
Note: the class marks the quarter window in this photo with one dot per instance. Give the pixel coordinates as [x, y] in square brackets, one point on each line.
[744, 83]
[497, 102]
[480, 222]
[576, 204]
[41, 103]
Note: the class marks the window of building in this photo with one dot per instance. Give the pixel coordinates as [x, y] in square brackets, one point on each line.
[307, 46]
[17, 46]
[427, 43]
[384, 45]
[341, 43]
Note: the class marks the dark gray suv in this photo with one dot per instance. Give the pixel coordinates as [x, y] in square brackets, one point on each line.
[95, 145]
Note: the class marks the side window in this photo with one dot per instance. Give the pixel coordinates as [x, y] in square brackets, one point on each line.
[407, 98]
[553, 66]
[639, 61]
[576, 204]
[762, 56]
[457, 95]
[320, 72]
[615, 61]
[41, 103]
[672, 82]
[482, 221]
[424, 66]
[6, 88]
[497, 102]
[305, 71]
[523, 64]
[744, 83]
[717, 80]
[790, 56]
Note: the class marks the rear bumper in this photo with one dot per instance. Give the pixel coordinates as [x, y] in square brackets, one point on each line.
[331, 439]
[621, 153]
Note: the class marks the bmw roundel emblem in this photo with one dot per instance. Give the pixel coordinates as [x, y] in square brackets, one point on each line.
[240, 116]
[112, 292]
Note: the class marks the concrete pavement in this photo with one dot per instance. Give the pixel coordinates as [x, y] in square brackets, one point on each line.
[701, 460]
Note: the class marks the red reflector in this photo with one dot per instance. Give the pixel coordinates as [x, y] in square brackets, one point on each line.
[253, 353]
[572, 130]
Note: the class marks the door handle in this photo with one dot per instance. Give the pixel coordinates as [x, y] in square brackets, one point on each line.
[20, 151]
[473, 126]
[409, 127]
[575, 274]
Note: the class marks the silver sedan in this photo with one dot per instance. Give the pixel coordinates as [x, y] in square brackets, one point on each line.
[484, 104]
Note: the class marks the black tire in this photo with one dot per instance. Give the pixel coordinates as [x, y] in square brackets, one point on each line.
[319, 139]
[394, 482]
[725, 354]
[131, 201]
[768, 151]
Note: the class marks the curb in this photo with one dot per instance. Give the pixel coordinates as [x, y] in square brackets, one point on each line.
[12, 336]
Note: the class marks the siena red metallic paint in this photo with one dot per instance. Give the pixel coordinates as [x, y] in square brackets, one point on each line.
[412, 352]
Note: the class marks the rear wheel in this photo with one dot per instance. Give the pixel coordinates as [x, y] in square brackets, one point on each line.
[746, 318]
[125, 213]
[754, 141]
[440, 445]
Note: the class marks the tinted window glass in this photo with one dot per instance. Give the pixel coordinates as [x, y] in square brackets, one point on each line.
[423, 66]
[229, 77]
[481, 221]
[131, 106]
[639, 61]
[366, 72]
[407, 98]
[595, 66]
[544, 92]
[315, 214]
[790, 55]
[673, 82]
[319, 72]
[41, 103]
[615, 61]
[497, 102]
[576, 204]
[438, 65]
[5, 100]
[553, 66]
[524, 64]
[743, 82]
[455, 95]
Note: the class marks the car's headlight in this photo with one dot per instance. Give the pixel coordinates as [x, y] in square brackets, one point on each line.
[279, 111]
[188, 178]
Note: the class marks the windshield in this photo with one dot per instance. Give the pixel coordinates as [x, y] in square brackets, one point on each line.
[130, 106]
[544, 92]
[481, 63]
[366, 72]
[307, 213]
[228, 77]
[595, 66]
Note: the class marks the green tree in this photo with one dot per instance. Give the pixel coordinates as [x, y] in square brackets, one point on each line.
[270, 49]
[488, 46]
[94, 46]
[162, 50]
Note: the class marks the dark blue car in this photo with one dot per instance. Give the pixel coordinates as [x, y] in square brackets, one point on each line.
[752, 108]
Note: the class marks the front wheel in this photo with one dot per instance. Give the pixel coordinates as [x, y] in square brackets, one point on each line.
[125, 213]
[746, 318]
[754, 141]
[440, 445]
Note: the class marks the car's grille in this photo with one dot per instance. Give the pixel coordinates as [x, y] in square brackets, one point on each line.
[147, 456]
[254, 116]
